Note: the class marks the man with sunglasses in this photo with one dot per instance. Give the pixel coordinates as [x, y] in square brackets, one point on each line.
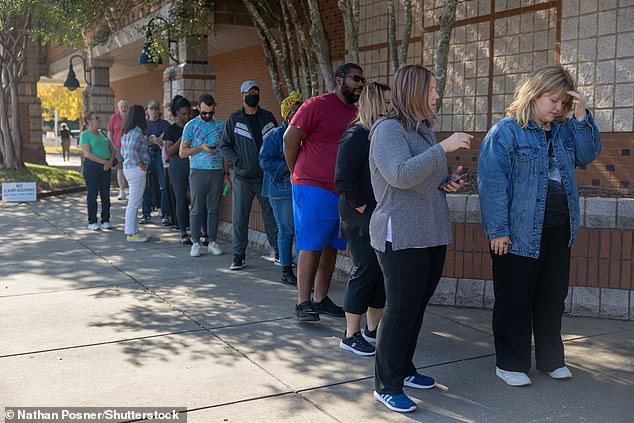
[310, 148]
[240, 145]
[200, 142]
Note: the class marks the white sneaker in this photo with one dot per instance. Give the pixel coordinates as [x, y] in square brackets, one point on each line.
[214, 249]
[121, 195]
[195, 251]
[106, 225]
[93, 227]
[513, 378]
[561, 373]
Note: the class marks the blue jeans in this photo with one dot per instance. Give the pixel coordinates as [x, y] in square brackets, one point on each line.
[97, 182]
[156, 173]
[283, 212]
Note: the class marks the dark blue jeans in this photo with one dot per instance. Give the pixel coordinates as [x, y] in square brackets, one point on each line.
[97, 182]
[283, 212]
[156, 178]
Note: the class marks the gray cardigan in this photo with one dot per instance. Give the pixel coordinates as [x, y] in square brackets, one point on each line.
[406, 168]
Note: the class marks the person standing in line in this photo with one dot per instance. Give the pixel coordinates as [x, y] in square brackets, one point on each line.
[136, 161]
[114, 133]
[530, 212]
[200, 141]
[155, 129]
[365, 293]
[99, 154]
[276, 185]
[310, 149]
[240, 146]
[181, 109]
[64, 134]
[410, 227]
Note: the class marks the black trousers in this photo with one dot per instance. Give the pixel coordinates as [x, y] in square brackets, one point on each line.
[179, 178]
[365, 284]
[411, 277]
[529, 300]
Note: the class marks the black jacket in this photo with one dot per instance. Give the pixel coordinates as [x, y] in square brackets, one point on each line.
[239, 147]
[352, 179]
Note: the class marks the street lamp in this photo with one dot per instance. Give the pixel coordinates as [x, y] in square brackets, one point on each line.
[147, 58]
[71, 81]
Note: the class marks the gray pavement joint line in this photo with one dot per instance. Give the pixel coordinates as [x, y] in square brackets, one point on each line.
[67, 290]
[96, 344]
[590, 370]
[457, 322]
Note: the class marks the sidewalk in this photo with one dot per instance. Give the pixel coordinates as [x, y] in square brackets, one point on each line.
[87, 319]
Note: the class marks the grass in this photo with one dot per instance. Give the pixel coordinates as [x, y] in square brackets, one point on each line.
[52, 149]
[46, 177]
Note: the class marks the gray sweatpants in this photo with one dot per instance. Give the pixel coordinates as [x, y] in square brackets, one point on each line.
[242, 198]
[206, 190]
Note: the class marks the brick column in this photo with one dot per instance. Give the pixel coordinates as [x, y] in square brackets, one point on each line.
[99, 97]
[191, 76]
[31, 108]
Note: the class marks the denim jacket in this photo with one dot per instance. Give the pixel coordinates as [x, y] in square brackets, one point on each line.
[276, 181]
[513, 177]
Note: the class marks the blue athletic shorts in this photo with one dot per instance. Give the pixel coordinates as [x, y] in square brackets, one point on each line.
[316, 216]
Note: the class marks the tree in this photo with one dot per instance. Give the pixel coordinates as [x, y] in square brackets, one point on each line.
[447, 20]
[399, 56]
[69, 104]
[350, 9]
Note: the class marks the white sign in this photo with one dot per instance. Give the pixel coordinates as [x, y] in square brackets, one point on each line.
[19, 191]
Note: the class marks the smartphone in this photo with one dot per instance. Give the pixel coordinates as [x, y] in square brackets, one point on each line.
[459, 178]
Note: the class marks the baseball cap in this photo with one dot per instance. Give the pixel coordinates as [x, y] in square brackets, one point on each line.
[247, 85]
[153, 104]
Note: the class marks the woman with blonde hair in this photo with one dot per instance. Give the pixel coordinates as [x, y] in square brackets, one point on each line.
[364, 291]
[410, 227]
[530, 211]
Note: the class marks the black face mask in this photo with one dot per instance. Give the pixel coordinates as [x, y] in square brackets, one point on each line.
[208, 117]
[252, 100]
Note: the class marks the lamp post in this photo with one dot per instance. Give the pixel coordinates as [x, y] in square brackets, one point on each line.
[147, 58]
[71, 81]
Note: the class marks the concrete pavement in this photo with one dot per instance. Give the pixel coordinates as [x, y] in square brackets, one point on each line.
[87, 319]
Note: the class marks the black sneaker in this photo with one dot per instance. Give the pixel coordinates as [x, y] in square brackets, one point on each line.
[186, 240]
[166, 222]
[145, 220]
[288, 277]
[305, 312]
[238, 262]
[357, 344]
[369, 335]
[204, 240]
[326, 306]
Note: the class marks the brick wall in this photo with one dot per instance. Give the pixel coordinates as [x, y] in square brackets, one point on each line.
[139, 89]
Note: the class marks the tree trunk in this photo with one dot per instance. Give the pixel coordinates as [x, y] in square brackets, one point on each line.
[447, 20]
[391, 35]
[320, 44]
[350, 9]
[407, 30]
[399, 55]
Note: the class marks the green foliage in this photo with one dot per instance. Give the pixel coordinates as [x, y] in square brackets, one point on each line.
[69, 104]
[45, 177]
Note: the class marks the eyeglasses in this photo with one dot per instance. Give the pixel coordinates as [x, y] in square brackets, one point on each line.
[356, 78]
[206, 113]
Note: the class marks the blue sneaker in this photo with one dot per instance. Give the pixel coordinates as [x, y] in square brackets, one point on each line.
[396, 402]
[419, 381]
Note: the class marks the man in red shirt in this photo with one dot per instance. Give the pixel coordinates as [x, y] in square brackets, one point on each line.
[114, 133]
[310, 149]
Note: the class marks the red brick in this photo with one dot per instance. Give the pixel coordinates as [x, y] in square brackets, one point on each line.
[593, 272]
[487, 272]
[594, 236]
[573, 271]
[459, 266]
[580, 247]
[615, 244]
[477, 265]
[467, 270]
[604, 273]
[626, 251]
[459, 234]
[468, 238]
[582, 272]
[626, 274]
[450, 268]
[605, 243]
[615, 274]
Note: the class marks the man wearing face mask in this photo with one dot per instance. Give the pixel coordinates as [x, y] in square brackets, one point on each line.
[240, 145]
[310, 148]
[200, 142]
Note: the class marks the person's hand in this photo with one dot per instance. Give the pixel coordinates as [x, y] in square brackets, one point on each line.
[143, 167]
[107, 165]
[578, 105]
[207, 148]
[456, 141]
[361, 209]
[500, 246]
[454, 183]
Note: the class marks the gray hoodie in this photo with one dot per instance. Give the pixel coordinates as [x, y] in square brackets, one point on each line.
[406, 168]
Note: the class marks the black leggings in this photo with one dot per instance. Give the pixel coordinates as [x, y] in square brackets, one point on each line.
[411, 277]
[365, 284]
[179, 178]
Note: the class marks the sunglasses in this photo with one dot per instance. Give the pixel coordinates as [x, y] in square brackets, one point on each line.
[356, 78]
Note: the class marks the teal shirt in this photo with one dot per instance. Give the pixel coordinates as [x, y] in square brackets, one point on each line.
[99, 144]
